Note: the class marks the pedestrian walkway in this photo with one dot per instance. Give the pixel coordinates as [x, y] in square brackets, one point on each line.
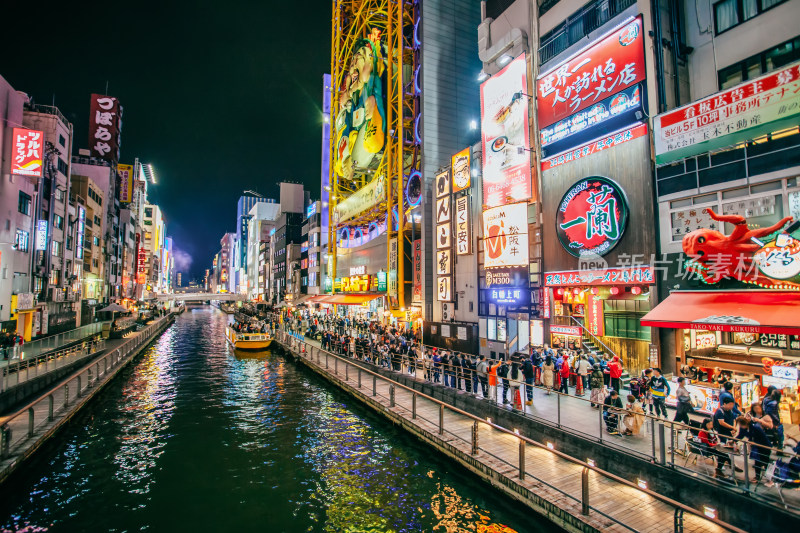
[574, 415]
[545, 479]
[51, 343]
[22, 431]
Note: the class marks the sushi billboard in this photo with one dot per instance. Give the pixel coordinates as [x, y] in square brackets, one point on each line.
[505, 135]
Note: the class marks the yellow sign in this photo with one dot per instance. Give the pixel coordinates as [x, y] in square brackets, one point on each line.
[462, 173]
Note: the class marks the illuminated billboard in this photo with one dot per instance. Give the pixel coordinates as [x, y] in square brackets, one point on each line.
[505, 234]
[125, 183]
[81, 232]
[462, 173]
[28, 152]
[592, 216]
[105, 123]
[505, 135]
[612, 64]
[360, 126]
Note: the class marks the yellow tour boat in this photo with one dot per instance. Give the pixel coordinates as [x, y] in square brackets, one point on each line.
[248, 341]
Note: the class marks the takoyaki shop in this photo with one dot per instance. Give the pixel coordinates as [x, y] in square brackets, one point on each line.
[748, 337]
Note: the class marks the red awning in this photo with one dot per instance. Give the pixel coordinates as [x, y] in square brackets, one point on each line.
[748, 311]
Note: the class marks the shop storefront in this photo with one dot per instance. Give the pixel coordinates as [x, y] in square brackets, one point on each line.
[748, 337]
[600, 310]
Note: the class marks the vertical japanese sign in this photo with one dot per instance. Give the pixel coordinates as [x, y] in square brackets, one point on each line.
[41, 235]
[81, 232]
[505, 135]
[105, 123]
[505, 233]
[610, 65]
[443, 183]
[27, 152]
[125, 183]
[463, 226]
[595, 319]
[462, 172]
[141, 257]
[393, 272]
[546, 302]
[443, 289]
[417, 292]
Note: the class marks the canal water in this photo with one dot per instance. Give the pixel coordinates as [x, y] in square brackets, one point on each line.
[194, 438]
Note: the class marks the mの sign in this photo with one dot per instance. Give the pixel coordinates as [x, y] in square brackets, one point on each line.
[505, 233]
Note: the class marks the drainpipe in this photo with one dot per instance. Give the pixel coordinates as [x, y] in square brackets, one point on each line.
[676, 43]
[659, 54]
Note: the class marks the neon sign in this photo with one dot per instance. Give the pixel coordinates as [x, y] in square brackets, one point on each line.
[592, 216]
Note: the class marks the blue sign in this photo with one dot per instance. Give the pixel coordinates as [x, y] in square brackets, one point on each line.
[311, 210]
[519, 297]
[611, 114]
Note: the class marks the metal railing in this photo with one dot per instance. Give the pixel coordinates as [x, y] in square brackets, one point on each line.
[53, 342]
[660, 441]
[21, 426]
[310, 351]
[579, 25]
[22, 370]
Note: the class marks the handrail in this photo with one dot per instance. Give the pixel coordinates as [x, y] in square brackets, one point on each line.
[474, 418]
[594, 338]
[7, 418]
[673, 426]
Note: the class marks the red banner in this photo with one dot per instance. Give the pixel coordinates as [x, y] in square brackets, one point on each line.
[615, 139]
[105, 123]
[595, 320]
[28, 153]
[610, 65]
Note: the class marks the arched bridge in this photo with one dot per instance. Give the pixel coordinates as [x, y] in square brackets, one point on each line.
[201, 297]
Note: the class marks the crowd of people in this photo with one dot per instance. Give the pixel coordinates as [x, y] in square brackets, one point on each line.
[511, 380]
[8, 340]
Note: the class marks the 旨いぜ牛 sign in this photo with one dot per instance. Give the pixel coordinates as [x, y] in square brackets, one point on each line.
[592, 216]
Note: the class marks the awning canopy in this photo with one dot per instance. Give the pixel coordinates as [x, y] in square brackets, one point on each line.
[347, 299]
[747, 311]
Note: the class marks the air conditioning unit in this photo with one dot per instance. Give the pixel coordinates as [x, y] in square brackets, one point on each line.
[56, 294]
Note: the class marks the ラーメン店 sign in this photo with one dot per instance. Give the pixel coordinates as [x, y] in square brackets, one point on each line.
[609, 66]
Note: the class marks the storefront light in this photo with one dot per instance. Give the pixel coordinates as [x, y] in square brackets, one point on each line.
[710, 512]
[590, 462]
[642, 483]
[576, 291]
[636, 290]
[559, 291]
[550, 446]
[614, 290]
[595, 291]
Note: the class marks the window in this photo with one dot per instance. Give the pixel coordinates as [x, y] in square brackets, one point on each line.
[96, 241]
[24, 203]
[731, 13]
[58, 221]
[62, 141]
[55, 277]
[97, 220]
[759, 64]
[21, 240]
[56, 249]
[60, 194]
[69, 243]
[62, 167]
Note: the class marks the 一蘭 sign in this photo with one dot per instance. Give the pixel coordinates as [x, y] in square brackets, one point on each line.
[28, 152]
[607, 67]
[505, 233]
[591, 216]
[504, 135]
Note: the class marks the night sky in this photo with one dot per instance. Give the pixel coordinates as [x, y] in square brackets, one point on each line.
[219, 97]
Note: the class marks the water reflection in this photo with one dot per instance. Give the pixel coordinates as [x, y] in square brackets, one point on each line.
[198, 438]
